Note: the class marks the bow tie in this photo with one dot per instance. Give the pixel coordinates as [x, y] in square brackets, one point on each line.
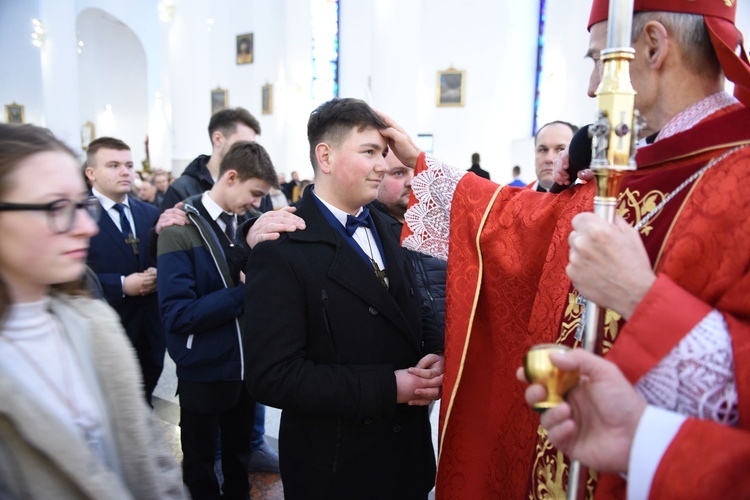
[353, 222]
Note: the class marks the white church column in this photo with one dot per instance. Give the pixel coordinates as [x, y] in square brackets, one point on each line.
[59, 70]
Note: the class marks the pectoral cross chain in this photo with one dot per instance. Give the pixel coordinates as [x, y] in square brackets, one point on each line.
[379, 273]
[133, 242]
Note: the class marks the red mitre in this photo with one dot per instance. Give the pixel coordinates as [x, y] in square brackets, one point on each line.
[719, 16]
[723, 9]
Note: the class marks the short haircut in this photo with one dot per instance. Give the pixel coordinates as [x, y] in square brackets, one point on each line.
[475, 158]
[226, 121]
[516, 170]
[573, 128]
[691, 34]
[333, 121]
[251, 161]
[104, 143]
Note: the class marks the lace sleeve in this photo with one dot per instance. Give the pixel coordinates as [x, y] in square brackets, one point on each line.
[429, 218]
[697, 377]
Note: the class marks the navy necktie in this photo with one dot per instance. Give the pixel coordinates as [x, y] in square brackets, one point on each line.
[353, 222]
[229, 223]
[125, 228]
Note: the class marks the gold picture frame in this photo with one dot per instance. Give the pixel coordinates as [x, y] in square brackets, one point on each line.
[219, 99]
[266, 99]
[244, 51]
[14, 113]
[451, 87]
[88, 134]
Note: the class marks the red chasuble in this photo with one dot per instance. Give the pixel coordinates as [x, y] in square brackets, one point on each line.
[507, 290]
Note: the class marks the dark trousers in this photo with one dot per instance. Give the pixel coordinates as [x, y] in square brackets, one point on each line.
[150, 354]
[199, 440]
[259, 427]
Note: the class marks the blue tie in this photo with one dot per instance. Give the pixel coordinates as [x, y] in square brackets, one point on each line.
[125, 228]
[353, 222]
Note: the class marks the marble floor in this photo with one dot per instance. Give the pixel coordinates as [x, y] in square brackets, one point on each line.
[265, 485]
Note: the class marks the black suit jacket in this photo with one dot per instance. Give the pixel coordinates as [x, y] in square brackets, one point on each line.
[110, 258]
[476, 169]
[324, 338]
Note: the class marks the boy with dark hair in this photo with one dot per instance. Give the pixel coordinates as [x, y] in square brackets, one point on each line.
[224, 129]
[119, 254]
[201, 300]
[346, 354]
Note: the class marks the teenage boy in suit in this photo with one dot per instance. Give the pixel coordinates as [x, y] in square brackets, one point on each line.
[201, 300]
[119, 254]
[225, 127]
[345, 354]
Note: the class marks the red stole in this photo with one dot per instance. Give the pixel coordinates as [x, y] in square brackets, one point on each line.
[506, 280]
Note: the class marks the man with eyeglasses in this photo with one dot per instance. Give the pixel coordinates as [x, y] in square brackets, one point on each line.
[119, 253]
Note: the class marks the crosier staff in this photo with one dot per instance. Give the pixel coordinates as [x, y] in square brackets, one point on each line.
[614, 135]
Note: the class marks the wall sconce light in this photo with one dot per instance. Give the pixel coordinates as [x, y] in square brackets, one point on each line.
[166, 10]
[210, 22]
[79, 43]
[37, 36]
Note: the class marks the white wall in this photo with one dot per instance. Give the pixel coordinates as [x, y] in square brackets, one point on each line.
[201, 60]
[390, 54]
[21, 78]
[112, 75]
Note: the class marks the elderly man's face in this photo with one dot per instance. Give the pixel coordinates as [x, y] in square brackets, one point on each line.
[645, 98]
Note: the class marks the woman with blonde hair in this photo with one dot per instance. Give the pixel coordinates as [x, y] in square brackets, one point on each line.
[73, 423]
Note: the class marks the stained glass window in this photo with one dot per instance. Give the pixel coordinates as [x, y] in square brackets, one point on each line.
[539, 54]
[325, 50]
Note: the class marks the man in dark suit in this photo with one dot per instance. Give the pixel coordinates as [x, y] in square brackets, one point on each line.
[119, 254]
[476, 169]
[345, 354]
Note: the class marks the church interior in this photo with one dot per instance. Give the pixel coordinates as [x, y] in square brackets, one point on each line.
[460, 77]
[155, 68]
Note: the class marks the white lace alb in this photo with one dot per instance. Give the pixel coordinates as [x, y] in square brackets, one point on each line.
[697, 377]
[429, 218]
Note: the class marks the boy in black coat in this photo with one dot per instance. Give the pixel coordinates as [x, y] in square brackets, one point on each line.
[345, 354]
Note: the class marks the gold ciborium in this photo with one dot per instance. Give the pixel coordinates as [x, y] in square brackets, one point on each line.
[540, 370]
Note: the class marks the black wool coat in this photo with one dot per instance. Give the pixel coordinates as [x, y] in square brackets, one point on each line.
[323, 340]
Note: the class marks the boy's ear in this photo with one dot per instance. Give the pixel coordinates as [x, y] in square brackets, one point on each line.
[217, 138]
[89, 171]
[230, 176]
[323, 154]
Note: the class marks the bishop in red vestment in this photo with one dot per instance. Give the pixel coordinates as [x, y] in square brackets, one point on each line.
[509, 248]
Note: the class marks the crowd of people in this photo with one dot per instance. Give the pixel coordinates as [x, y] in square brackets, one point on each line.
[354, 303]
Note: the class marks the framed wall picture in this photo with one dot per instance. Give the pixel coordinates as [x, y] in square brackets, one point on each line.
[14, 113]
[219, 99]
[245, 48]
[266, 99]
[88, 134]
[451, 87]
